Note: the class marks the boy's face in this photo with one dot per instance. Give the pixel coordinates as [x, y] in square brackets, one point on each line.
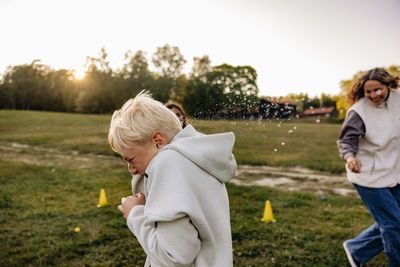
[375, 91]
[139, 157]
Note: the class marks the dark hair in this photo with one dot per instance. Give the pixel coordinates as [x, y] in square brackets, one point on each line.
[377, 74]
[171, 105]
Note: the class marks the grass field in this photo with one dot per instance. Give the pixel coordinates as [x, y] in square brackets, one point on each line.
[271, 142]
[48, 188]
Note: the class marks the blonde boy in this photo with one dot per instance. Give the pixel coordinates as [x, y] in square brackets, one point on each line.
[182, 216]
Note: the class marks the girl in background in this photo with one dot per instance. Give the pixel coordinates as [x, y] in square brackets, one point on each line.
[370, 145]
[179, 112]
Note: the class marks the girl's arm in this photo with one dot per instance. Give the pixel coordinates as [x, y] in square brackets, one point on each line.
[353, 128]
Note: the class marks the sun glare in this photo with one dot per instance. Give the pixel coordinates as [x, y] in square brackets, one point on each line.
[79, 74]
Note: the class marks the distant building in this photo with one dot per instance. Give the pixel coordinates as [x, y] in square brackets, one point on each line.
[274, 108]
[329, 112]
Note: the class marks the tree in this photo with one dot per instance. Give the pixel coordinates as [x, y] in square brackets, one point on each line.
[7, 94]
[135, 76]
[341, 106]
[137, 66]
[312, 103]
[100, 64]
[203, 100]
[178, 89]
[97, 89]
[201, 66]
[394, 70]
[161, 88]
[169, 61]
[327, 100]
[62, 91]
[239, 86]
[224, 90]
[37, 86]
[27, 86]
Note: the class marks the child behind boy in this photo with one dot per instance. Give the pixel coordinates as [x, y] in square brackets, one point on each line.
[182, 217]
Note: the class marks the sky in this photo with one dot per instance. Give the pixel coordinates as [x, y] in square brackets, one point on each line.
[296, 46]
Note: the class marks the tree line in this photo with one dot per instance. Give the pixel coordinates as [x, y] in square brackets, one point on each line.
[206, 92]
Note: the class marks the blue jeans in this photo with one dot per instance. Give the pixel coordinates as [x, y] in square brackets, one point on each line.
[384, 205]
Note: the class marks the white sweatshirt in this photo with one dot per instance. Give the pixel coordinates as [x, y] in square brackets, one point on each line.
[379, 149]
[186, 220]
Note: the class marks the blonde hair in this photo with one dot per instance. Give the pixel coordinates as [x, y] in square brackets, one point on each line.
[138, 119]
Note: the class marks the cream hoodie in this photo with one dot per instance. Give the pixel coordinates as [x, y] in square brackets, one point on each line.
[186, 221]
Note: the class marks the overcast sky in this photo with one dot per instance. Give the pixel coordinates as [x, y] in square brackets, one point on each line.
[296, 46]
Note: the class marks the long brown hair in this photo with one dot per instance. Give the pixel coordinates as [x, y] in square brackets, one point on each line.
[171, 105]
[376, 74]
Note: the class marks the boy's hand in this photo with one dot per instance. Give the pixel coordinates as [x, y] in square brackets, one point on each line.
[128, 203]
[353, 164]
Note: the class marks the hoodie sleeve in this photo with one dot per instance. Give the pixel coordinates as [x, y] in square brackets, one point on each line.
[163, 226]
[166, 243]
[353, 128]
[137, 184]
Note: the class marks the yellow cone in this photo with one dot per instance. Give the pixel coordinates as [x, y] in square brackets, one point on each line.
[102, 199]
[268, 216]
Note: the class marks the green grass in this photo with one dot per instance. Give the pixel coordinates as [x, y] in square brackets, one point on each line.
[40, 205]
[271, 142]
[64, 131]
[286, 143]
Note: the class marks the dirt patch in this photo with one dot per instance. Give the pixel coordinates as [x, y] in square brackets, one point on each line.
[289, 179]
[294, 179]
[41, 156]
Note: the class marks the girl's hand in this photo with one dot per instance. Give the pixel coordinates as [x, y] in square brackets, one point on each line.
[353, 164]
[128, 203]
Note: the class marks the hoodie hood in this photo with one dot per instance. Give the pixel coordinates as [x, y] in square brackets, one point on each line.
[212, 153]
